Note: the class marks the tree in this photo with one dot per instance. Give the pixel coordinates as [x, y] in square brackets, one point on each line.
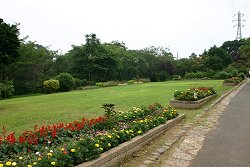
[8, 46]
[32, 67]
[216, 59]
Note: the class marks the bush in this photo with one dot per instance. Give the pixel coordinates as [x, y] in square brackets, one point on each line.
[235, 80]
[6, 89]
[66, 82]
[99, 84]
[221, 75]
[78, 83]
[143, 80]
[198, 75]
[131, 82]
[241, 76]
[176, 77]
[51, 86]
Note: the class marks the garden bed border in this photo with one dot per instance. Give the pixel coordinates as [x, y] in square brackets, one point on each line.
[230, 83]
[116, 154]
[191, 104]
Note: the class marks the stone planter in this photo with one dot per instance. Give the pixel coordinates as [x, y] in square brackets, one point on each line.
[230, 83]
[115, 155]
[190, 104]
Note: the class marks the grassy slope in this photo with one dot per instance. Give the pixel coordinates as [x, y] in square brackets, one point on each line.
[18, 114]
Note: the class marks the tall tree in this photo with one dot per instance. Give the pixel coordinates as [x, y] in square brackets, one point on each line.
[9, 44]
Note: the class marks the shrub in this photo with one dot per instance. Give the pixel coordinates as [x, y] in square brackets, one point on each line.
[51, 86]
[130, 82]
[235, 80]
[143, 80]
[99, 84]
[241, 75]
[176, 77]
[198, 75]
[78, 83]
[221, 75]
[6, 89]
[66, 82]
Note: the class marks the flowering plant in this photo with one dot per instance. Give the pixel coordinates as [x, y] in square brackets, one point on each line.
[194, 94]
[69, 144]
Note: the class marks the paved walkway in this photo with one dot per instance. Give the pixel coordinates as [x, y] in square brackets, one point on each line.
[229, 144]
[221, 138]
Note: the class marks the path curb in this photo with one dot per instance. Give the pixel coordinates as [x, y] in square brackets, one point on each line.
[115, 155]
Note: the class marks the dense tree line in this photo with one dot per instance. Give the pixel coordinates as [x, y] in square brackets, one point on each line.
[26, 64]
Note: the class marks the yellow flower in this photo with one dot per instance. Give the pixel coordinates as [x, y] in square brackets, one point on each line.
[109, 144]
[53, 163]
[101, 149]
[139, 132]
[127, 132]
[131, 131]
[39, 159]
[29, 165]
[73, 150]
[1, 165]
[97, 145]
[109, 136]
[14, 164]
[8, 163]
[34, 163]
[49, 154]
[62, 149]
[20, 157]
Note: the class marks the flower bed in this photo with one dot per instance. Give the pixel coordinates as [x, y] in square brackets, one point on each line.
[192, 98]
[70, 144]
[232, 81]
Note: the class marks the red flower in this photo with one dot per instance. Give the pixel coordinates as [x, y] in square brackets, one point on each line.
[11, 138]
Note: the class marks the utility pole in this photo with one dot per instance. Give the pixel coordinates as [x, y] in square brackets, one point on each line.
[239, 24]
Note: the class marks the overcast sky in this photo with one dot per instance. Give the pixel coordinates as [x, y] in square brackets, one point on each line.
[184, 26]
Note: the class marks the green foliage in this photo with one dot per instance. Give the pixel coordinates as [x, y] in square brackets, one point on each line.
[131, 82]
[6, 88]
[198, 75]
[66, 82]
[194, 94]
[235, 80]
[241, 76]
[78, 83]
[109, 110]
[176, 77]
[221, 75]
[51, 86]
[8, 46]
[99, 84]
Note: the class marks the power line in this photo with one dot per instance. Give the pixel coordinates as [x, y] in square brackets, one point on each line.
[239, 24]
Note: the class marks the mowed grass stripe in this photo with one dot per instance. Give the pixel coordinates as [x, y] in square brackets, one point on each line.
[22, 113]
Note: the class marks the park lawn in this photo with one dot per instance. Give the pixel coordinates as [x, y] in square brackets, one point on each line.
[22, 113]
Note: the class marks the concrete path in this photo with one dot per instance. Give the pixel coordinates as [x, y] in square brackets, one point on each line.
[229, 144]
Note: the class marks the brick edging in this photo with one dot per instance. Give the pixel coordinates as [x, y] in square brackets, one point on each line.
[191, 104]
[116, 154]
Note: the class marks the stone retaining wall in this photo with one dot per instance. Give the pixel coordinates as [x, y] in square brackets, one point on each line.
[190, 104]
[115, 155]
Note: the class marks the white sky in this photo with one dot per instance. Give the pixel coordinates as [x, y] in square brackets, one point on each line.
[184, 26]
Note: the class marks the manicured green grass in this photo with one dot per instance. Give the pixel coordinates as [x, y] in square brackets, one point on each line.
[22, 113]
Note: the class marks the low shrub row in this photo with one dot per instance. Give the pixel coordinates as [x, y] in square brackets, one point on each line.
[69, 144]
[213, 75]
